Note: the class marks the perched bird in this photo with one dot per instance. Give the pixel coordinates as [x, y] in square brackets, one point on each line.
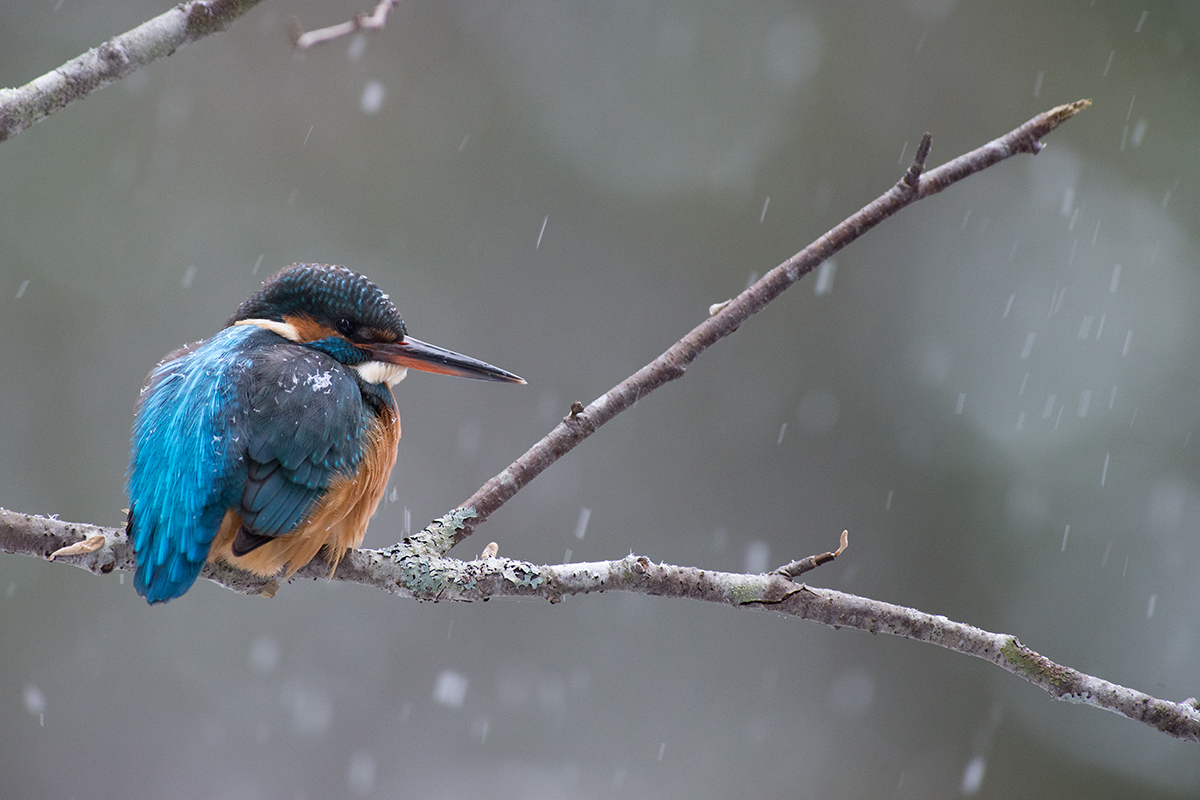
[274, 439]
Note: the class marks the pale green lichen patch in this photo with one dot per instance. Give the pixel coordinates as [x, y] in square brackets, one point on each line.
[1034, 665]
[438, 536]
[522, 573]
[450, 579]
[429, 576]
[742, 593]
[437, 578]
[424, 578]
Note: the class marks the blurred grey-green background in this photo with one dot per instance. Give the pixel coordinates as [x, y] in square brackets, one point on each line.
[996, 392]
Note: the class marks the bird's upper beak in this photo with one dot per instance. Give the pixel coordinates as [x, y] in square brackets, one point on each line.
[425, 357]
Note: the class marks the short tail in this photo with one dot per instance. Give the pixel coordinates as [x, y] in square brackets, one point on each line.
[167, 565]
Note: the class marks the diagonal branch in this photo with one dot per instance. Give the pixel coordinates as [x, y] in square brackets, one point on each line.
[414, 569]
[113, 60]
[916, 184]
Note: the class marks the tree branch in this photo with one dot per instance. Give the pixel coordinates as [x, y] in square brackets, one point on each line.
[113, 60]
[413, 568]
[727, 317]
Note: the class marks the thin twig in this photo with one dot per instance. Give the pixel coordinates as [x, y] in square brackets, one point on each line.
[362, 20]
[113, 60]
[795, 569]
[725, 318]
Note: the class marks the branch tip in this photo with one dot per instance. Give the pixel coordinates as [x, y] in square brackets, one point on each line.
[294, 30]
[1058, 114]
[923, 149]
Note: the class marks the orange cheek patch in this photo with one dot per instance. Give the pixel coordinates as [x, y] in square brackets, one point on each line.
[309, 329]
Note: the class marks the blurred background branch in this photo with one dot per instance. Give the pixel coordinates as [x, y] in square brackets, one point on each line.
[302, 40]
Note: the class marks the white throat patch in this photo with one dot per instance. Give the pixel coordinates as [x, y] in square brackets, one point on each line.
[381, 372]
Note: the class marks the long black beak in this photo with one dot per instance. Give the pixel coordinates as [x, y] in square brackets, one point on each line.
[426, 357]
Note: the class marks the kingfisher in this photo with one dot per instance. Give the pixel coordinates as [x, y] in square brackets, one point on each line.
[272, 441]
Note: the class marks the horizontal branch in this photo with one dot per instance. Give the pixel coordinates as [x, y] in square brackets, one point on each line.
[113, 60]
[414, 569]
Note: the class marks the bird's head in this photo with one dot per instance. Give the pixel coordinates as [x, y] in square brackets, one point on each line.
[346, 316]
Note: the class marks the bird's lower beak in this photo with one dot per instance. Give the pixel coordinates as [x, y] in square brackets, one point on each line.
[430, 358]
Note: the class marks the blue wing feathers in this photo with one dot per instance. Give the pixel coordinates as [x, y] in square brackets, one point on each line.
[244, 421]
[309, 436]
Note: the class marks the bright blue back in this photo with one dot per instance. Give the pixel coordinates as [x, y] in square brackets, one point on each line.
[183, 473]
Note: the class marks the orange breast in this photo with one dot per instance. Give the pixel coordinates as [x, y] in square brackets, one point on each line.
[336, 524]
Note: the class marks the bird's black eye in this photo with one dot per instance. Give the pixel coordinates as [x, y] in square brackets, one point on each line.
[346, 327]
